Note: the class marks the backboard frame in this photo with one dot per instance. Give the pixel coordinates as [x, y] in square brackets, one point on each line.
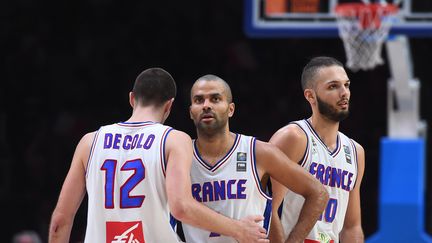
[322, 24]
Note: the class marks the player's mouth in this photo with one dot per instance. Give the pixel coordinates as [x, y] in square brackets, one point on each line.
[343, 104]
[207, 117]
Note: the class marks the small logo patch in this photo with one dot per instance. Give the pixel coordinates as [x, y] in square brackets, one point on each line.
[346, 149]
[313, 142]
[347, 154]
[241, 156]
[241, 166]
[121, 232]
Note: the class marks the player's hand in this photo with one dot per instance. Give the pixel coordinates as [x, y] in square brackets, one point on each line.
[251, 231]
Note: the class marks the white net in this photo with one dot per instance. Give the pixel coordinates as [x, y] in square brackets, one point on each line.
[363, 29]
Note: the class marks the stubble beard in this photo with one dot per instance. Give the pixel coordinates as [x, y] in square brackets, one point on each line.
[210, 129]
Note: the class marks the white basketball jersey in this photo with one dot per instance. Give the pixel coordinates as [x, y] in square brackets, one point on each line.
[125, 181]
[231, 187]
[337, 171]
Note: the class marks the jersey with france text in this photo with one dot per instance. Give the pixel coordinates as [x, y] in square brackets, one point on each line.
[337, 171]
[125, 181]
[231, 187]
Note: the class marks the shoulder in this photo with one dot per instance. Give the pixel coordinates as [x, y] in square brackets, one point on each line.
[87, 139]
[83, 148]
[291, 132]
[265, 151]
[360, 152]
[359, 149]
[264, 147]
[178, 139]
[89, 136]
[292, 140]
[179, 135]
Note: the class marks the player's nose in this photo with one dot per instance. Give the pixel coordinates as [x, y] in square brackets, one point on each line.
[206, 109]
[207, 104]
[344, 92]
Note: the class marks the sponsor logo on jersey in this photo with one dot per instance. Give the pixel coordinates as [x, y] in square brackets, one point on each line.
[241, 166]
[347, 154]
[241, 156]
[124, 232]
[324, 238]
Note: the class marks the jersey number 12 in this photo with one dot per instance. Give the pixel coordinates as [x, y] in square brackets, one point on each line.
[126, 200]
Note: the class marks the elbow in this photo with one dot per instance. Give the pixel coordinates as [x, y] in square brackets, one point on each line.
[323, 195]
[320, 194]
[180, 209]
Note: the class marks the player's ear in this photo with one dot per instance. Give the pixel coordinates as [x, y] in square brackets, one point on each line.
[310, 95]
[168, 105]
[167, 109]
[231, 108]
[132, 99]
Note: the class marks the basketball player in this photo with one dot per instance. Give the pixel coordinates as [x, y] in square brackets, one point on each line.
[136, 173]
[331, 157]
[229, 169]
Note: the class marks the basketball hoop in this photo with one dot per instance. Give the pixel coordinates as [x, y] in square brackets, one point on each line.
[363, 28]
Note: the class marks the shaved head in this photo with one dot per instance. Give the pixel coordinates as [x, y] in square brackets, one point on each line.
[214, 78]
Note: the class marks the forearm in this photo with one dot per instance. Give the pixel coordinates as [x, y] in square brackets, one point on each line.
[276, 230]
[309, 214]
[194, 212]
[352, 235]
[59, 231]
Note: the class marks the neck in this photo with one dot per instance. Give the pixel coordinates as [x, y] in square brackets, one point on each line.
[140, 114]
[327, 129]
[215, 146]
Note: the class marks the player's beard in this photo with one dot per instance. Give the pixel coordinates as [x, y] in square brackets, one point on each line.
[330, 112]
[209, 129]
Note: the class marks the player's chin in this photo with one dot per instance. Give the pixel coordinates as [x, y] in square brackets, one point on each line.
[343, 115]
[206, 124]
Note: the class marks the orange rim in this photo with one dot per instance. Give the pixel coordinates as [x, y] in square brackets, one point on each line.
[369, 15]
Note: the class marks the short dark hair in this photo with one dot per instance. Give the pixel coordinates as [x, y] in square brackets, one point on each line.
[212, 77]
[154, 86]
[312, 67]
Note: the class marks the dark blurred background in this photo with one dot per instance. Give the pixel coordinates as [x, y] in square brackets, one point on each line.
[68, 67]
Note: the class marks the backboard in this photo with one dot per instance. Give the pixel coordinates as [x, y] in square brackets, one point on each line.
[316, 18]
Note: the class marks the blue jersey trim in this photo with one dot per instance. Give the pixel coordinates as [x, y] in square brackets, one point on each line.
[92, 150]
[306, 152]
[356, 161]
[332, 153]
[280, 208]
[221, 161]
[254, 167]
[173, 222]
[137, 123]
[163, 141]
[267, 215]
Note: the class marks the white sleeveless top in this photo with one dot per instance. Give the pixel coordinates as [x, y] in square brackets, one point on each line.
[231, 187]
[125, 181]
[337, 171]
